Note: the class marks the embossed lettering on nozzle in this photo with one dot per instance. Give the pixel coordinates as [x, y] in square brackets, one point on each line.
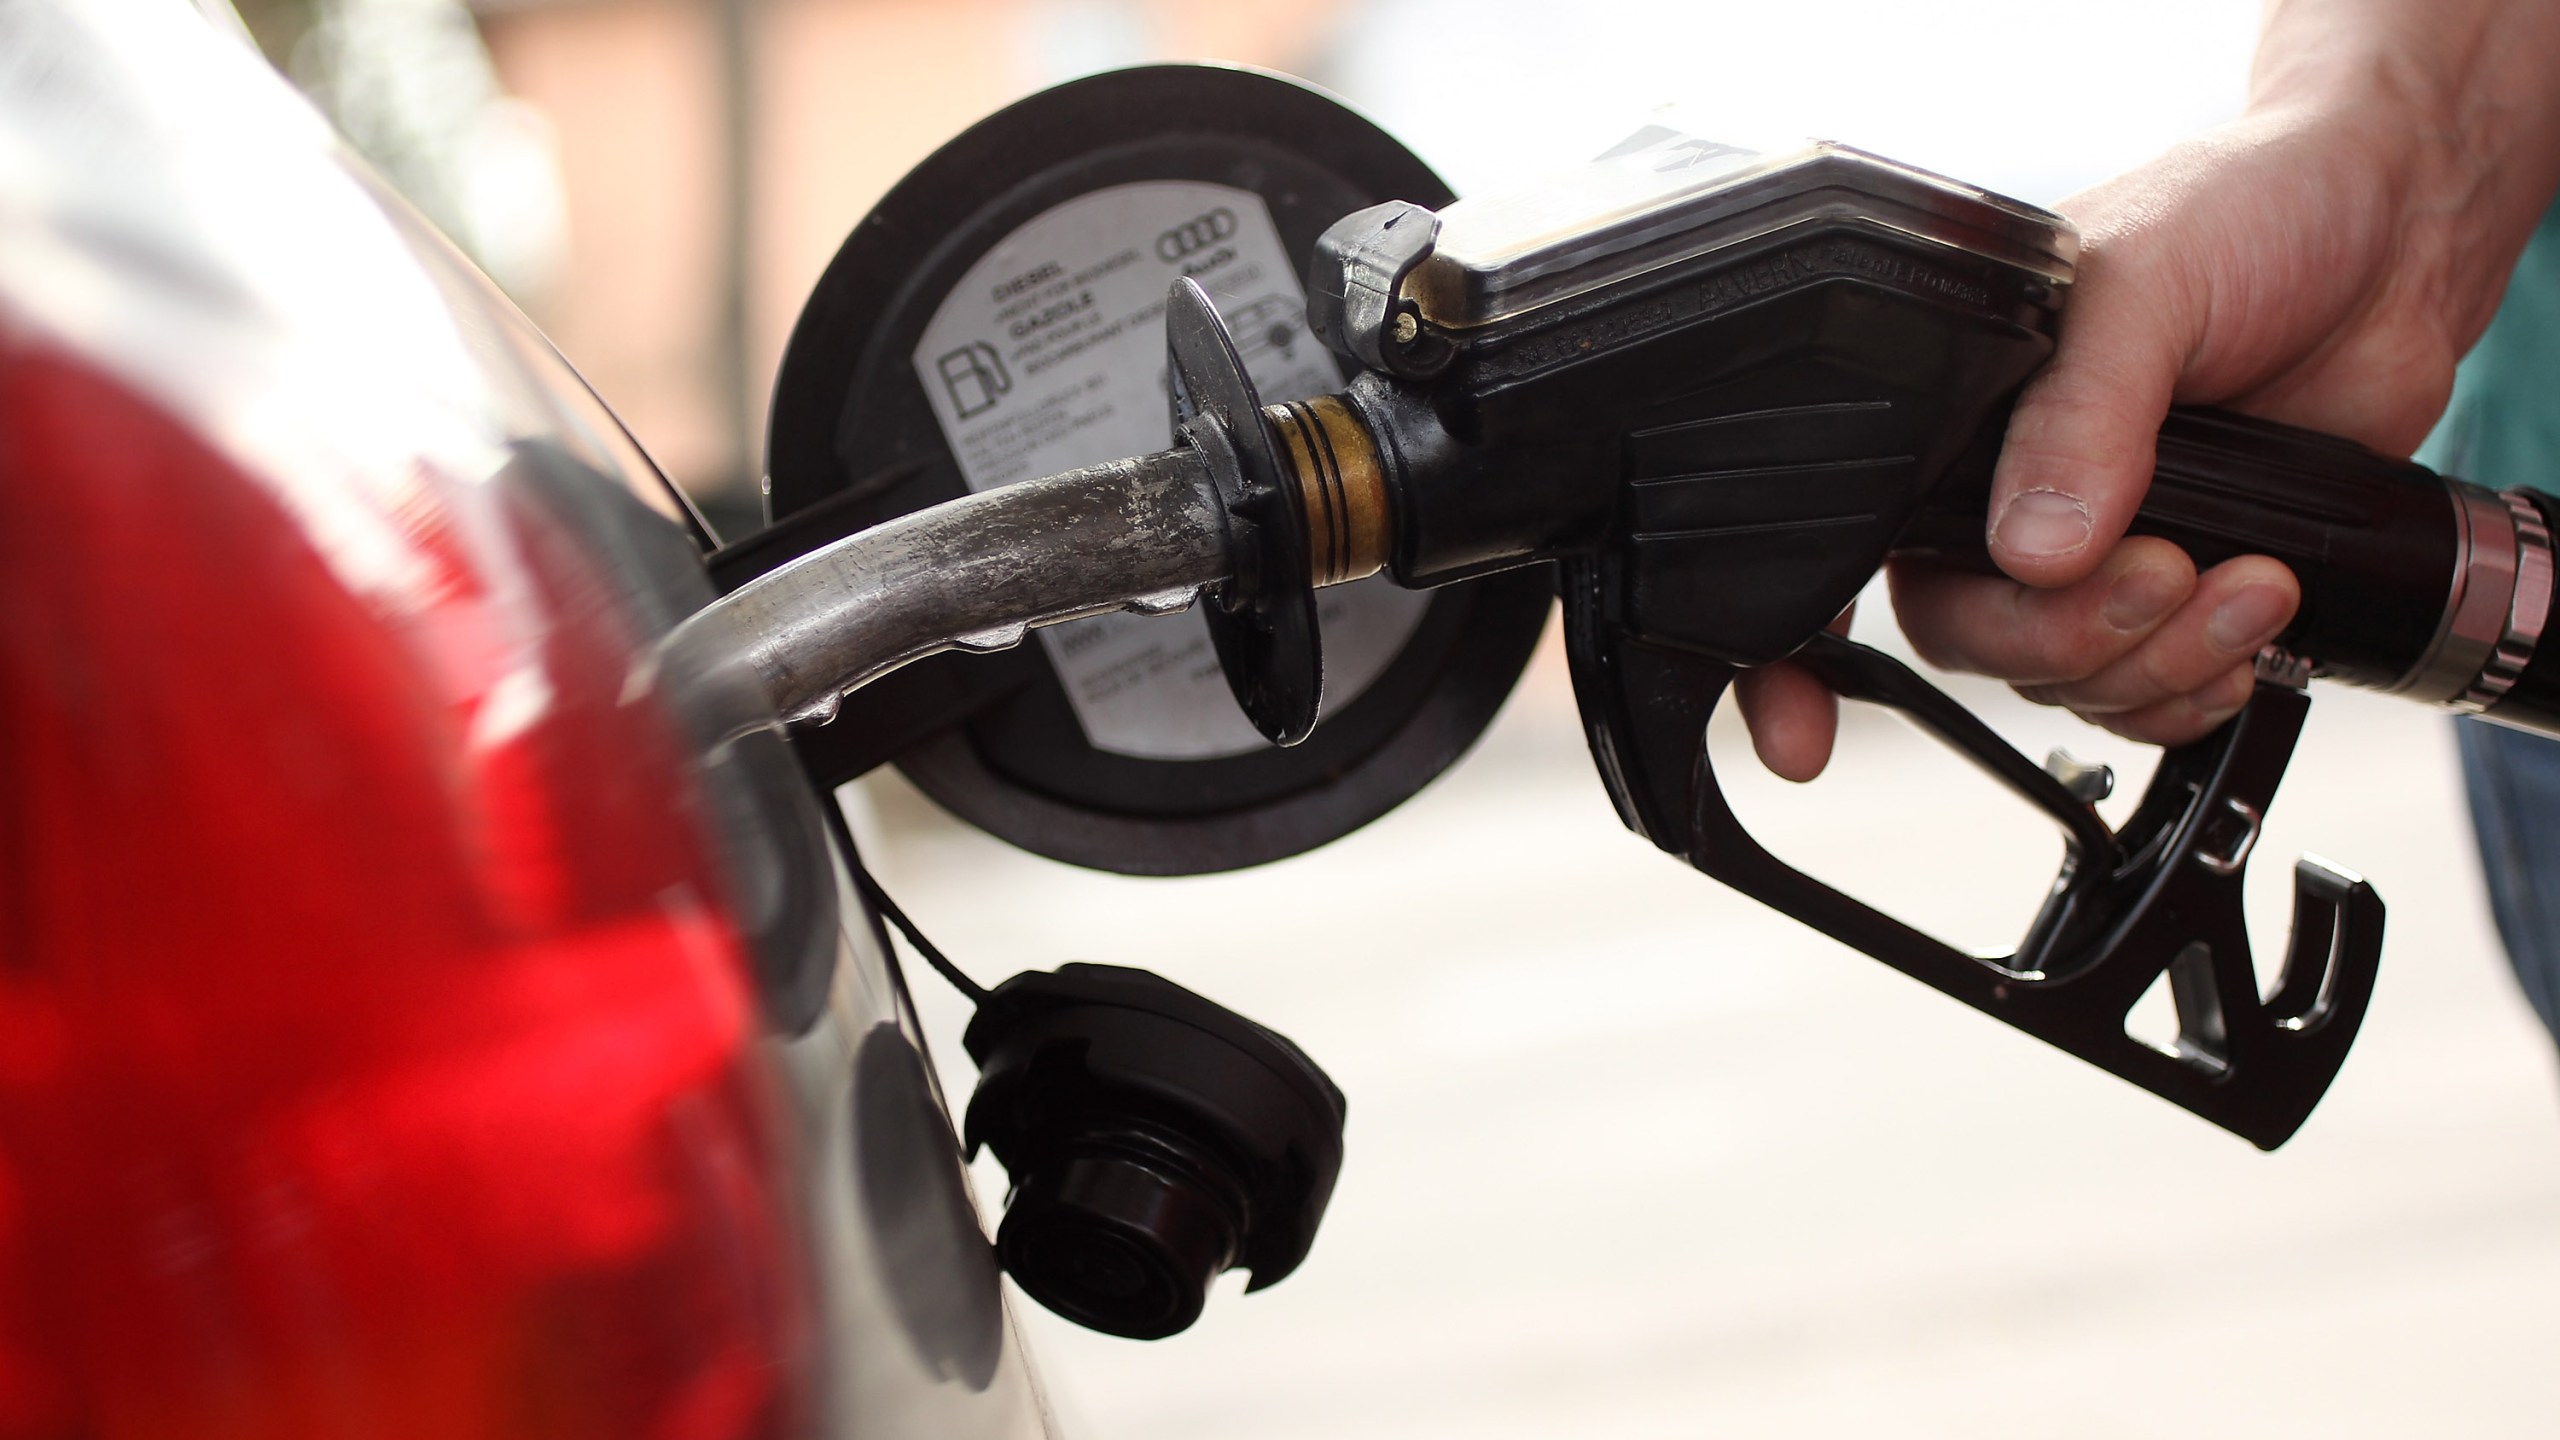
[973, 574]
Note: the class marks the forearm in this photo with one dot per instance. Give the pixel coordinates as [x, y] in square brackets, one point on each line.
[2463, 96]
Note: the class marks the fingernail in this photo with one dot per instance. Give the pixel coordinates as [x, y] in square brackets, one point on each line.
[2247, 620]
[2042, 525]
[2142, 595]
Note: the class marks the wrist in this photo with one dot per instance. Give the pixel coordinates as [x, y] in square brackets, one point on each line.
[2450, 108]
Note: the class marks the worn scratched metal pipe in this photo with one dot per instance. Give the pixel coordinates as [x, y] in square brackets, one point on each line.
[971, 574]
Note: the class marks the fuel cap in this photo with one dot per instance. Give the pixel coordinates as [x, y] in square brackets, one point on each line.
[999, 316]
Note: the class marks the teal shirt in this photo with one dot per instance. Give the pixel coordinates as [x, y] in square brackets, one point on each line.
[2503, 429]
[2503, 425]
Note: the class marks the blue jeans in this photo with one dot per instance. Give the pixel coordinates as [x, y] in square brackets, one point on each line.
[2514, 782]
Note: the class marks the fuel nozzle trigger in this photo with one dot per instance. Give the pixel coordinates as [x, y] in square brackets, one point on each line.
[2161, 895]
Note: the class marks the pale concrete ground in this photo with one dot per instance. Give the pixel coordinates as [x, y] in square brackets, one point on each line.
[1631, 1156]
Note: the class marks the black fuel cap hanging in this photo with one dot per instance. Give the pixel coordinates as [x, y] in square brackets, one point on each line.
[999, 316]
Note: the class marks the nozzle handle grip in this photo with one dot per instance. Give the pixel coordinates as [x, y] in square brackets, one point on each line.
[2410, 580]
[2374, 541]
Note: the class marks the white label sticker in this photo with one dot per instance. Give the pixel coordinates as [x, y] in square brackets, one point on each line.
[1049, 354]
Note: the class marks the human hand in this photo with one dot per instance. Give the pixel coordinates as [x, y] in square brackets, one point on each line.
[2324, 261]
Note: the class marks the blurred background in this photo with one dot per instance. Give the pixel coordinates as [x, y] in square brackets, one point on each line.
[1629, 1156]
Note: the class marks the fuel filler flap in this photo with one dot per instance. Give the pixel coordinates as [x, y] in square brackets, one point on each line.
[999, 316]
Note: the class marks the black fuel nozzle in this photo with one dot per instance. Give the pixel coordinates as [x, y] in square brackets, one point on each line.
[1718, 389]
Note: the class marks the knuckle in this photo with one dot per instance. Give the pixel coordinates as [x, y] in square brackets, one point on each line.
[2154, 673]
[2066, 650]
[1936, 649]
[2226, 693]
[1936, 621]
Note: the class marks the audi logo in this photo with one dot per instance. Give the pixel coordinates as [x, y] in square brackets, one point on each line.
[1195, 234]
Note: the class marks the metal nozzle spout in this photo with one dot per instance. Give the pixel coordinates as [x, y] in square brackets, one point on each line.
[976, 573]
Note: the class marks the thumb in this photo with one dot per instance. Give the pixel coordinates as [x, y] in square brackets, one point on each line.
[2080, 445]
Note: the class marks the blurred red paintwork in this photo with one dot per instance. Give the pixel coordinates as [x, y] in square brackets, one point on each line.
[376, 1056]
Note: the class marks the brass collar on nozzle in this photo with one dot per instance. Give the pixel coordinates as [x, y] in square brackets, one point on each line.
[1332, 462]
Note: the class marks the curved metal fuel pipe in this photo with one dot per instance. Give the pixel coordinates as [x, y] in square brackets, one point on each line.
[1143, 534]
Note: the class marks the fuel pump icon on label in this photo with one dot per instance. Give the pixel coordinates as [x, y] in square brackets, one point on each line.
[975, 378]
